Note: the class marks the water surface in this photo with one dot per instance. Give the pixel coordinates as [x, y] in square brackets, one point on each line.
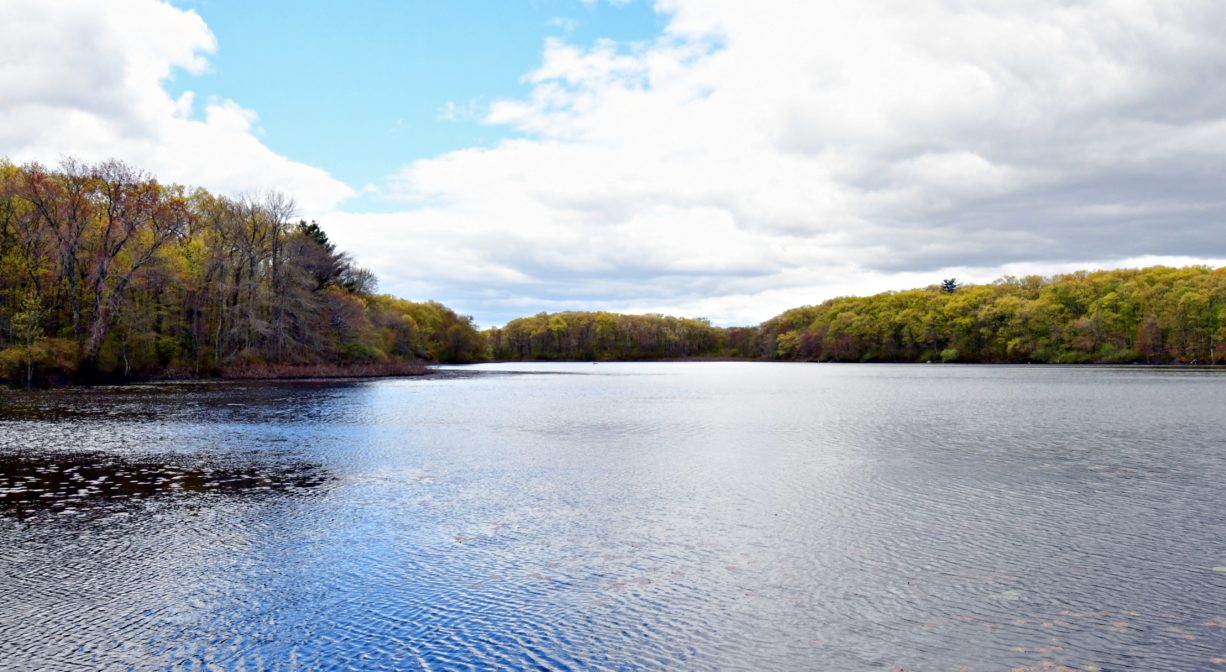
[622, 516]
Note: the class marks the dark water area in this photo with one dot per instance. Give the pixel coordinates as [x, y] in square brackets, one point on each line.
[621, 516]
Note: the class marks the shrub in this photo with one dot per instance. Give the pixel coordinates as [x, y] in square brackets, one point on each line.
[358, 351]
[167, 350]
[51, 357]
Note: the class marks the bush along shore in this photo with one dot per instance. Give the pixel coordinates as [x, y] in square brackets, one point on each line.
[107, 274]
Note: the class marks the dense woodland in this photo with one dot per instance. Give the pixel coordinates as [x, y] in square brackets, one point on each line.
[606, 336]
[105, 272]
[1155, 315]
[1152, 315]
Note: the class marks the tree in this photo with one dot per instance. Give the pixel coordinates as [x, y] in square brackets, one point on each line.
[138, 217]
[105, 271]
[949, 285]
[26, 325]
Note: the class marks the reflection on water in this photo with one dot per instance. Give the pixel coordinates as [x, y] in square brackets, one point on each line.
[622, 516]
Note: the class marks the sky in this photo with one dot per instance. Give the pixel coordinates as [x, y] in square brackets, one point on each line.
[706, 158]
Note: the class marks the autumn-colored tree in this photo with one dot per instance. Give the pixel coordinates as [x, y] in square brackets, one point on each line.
[104, 271]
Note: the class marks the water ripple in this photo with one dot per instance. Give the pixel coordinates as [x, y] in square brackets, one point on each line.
[621, 517]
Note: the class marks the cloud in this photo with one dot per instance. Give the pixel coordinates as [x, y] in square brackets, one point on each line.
[87, 79]
[757, 156]
[752, 157]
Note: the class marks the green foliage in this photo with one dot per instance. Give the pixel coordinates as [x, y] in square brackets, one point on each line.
[428, 330]
[26, 327]
[106, 272]
[358, 351]
[50, 358]
[167, 350]
[316, 233]
[604, 336]
[1154, 315]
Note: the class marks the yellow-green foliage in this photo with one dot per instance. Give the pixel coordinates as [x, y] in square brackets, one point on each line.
[47, 356]
[105, 271]
[141, 278]
[426, 330]
[604, 336]
[1156, 314]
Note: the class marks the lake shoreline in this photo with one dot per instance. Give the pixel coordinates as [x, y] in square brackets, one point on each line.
[254, 372]
[325, 372]
[1154, 365]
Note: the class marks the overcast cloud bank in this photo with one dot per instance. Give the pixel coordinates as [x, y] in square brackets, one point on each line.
[754, 157]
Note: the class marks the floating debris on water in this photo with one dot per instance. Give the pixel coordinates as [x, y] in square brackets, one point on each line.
[74, 485]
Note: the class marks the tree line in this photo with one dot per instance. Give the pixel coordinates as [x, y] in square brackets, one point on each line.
[604, 336]
[1155, 315]
[105, 272]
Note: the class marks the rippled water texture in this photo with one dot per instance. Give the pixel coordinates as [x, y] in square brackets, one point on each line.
[622, 516]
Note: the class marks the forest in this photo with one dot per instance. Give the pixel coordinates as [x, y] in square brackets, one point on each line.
[604, 336]
[1154, 315]
[106, 273]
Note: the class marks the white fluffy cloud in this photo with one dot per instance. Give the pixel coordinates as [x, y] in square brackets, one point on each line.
[763, 155]
[754, 157]
[87, 79]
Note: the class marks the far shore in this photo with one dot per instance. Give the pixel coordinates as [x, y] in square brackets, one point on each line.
[1155, 365]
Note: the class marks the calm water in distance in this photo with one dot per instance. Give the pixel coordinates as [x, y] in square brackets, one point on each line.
[622, 516]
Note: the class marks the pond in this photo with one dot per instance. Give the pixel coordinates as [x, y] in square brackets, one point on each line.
[622, 516]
